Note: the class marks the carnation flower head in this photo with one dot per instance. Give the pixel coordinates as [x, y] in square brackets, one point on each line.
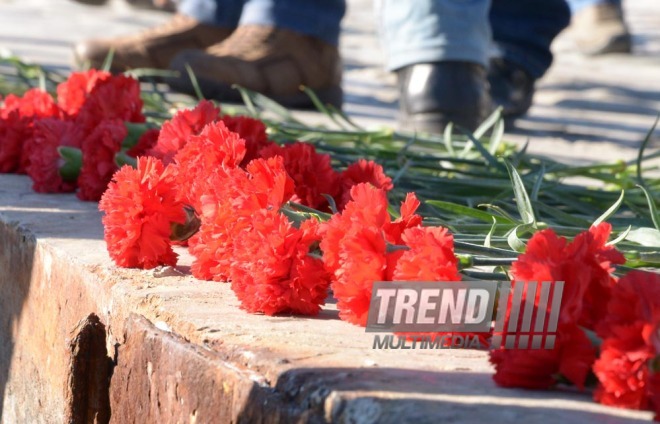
[140, 206]
[17, 118]
[631, 342]
[253, 131]
[99, 149]
[271, 269]
[45, 161]
[72, 93]
[430, 256]
[216, 147]
[572, 357]
[585, 266]
[175, 133]
[226, 210]
[312, 173]
[362, 171]
[113, 98]
[355, 247]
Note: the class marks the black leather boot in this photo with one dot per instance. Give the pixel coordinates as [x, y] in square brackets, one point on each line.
[510, 87]
[433, 94]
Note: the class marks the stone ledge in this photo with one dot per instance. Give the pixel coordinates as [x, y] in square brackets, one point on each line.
[185, 352]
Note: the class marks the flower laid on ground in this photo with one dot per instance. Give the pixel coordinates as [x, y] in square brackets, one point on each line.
[627, 369]
[17, 118]
[272, 270]
[585, 265]
[282, 225]
[46, 162]
[360, 246]
[140, 207]
[312, 173]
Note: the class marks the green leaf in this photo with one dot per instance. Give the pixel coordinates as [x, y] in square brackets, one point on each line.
[246, 95]
[486, 155]
[522, 199]
[447, 138]
[490, 233]
[122, 159]
[608, 213]
[500, 212]
[467, 211]
[514, 241]
[195, 83]
[492, 119]
[72, 157]
[331, 203]
[496, 137]
[652, 208]
[645, 236]
[621, 237]
[476, 249]
[640, 154]
[151, 72]
[133, 133]
[107, 62]
[539, 181]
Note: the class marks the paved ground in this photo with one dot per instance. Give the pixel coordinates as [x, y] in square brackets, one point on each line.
[585, 108]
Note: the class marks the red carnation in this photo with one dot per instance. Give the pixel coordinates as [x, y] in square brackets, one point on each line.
[572, 357]
[312, 173]
[253, 131]
[17, 118]
[175, 133]
[72, 93]
[99, 149]
[113, 98]
[362, 171]
[140, 206]
[631, 343]
[216, 147]
[45, 161]
[430, 256]
[233, 196]
[355, 248]
[585, 266]
[271, 269]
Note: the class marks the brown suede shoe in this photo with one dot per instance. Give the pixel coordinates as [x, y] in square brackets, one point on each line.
[152, 48]
[600, 29]
[272, 61]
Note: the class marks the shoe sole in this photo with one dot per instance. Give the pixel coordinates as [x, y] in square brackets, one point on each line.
[619, 44]
[225, 93]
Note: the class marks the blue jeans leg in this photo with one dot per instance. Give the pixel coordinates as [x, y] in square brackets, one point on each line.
[424, 31]
[524, 30]
[224, 13]
[318, 18]
[577, 5]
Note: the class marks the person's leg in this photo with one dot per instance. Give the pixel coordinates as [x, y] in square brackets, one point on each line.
[222, 13]
[198, 25]
[425, 31]
[523, 32]
[318, 18]
[439, 49]
[578, 5]
[279, 46]
[598, 27]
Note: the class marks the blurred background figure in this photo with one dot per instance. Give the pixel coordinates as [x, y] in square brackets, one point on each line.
[440, 50]
[166, 5]
[598, 27]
